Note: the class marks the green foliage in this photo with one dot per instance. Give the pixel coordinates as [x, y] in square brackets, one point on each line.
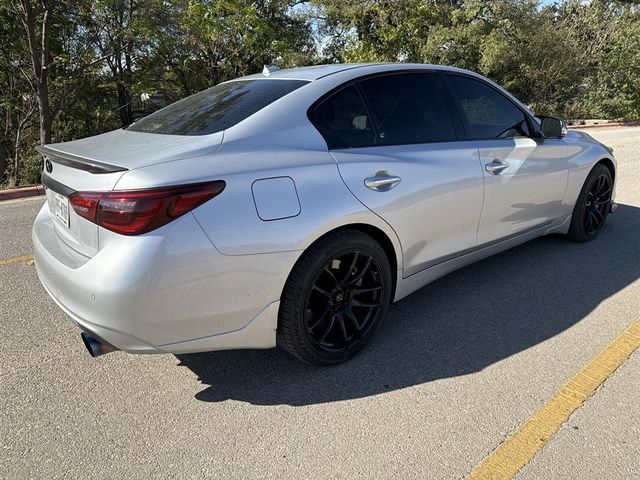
[572, 58]
[537, 60]
[236, 37]
[116, 60]
[615, 88]
[31, 168]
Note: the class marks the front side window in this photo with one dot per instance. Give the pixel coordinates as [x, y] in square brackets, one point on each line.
[343, 121]
[408, 109]
[216, 108]
[485, 111]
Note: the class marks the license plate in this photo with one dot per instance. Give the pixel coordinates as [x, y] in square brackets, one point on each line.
[61, 208]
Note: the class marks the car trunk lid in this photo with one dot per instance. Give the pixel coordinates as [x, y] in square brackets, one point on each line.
[127, 150]
[95, 164]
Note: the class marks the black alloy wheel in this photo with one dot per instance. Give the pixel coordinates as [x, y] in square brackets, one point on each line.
[345, 298]
[335, 298]
[598, 203]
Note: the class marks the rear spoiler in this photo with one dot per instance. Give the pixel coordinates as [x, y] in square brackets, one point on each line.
[78, 162]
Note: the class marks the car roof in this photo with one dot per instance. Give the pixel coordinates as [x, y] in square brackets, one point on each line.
[319, 71]
[310, 73]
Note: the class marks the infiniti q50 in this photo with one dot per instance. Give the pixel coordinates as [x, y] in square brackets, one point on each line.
[291, 207]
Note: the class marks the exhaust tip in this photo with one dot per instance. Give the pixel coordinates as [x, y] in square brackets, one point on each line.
[94, 346]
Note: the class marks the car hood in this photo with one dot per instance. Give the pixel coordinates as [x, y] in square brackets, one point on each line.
[583, 136]
[127, 150]
[579, 134]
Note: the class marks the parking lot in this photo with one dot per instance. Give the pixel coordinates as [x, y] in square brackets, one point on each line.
[454, 371]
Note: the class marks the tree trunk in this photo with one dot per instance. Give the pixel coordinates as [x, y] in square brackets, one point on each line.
[122, 74]
[214, 69]
[45, 110]
[3, 162]
[128, 78]
[41, 60]
[124, 104]
[16, 158]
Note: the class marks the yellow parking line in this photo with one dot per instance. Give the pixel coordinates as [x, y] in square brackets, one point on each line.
[28, 259]
[518, 450]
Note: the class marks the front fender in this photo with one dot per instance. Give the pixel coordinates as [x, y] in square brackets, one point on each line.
[583, 154]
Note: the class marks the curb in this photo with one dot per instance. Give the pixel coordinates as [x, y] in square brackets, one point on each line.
[603, 125]
[13, 193]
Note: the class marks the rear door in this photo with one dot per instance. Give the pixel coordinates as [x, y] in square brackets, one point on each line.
[525, 177]
[399, 152]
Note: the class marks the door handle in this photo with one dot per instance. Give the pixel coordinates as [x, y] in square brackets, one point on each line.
[381, 183]
[496, 167]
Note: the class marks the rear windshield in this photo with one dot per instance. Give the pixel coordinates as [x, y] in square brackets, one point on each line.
[216, 108]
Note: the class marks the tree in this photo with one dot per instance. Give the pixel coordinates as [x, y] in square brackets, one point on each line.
[18, 98]
[38, 35]
[235, 37]
[113, 26]
[609, 34]
[74, 68]
[616, 92]
[381, 30]
[171, 65]
[531, 52]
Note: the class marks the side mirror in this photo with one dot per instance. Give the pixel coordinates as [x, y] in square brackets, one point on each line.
[552, 127]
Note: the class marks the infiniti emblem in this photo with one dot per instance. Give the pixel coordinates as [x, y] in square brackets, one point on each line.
[48, 165]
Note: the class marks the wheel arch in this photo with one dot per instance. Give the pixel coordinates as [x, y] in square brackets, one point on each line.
[579, 170]
[385, 242]
[391, 249]
[607, 162]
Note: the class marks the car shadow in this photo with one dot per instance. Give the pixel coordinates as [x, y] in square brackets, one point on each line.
[457, 325]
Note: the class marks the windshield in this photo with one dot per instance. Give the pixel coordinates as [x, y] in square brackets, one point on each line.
[216, 108]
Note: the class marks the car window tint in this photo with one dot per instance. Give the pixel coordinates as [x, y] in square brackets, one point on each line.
[216, 108]
[343, 121]
[486, 112]
[408, 108]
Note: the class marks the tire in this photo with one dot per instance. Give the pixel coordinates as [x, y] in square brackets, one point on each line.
[593, 205]
[335, 298]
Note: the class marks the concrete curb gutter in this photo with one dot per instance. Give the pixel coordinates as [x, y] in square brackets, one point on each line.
[603, 125]
[13, 193]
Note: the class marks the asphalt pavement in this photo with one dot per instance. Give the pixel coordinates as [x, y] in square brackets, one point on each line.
[451, 374]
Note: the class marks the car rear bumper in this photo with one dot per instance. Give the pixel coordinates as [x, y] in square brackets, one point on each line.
[166, 291]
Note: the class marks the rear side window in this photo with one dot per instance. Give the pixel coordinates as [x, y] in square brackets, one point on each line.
[216, 108]
[486, 112]
[408, 109]
[343, 121]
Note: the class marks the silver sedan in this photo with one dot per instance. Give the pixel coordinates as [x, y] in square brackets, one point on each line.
[291, 207]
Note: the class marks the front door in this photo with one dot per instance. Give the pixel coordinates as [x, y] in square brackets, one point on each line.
[525, 178]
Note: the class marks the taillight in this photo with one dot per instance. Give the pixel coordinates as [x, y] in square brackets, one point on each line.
[139, 211]
[86, 204]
